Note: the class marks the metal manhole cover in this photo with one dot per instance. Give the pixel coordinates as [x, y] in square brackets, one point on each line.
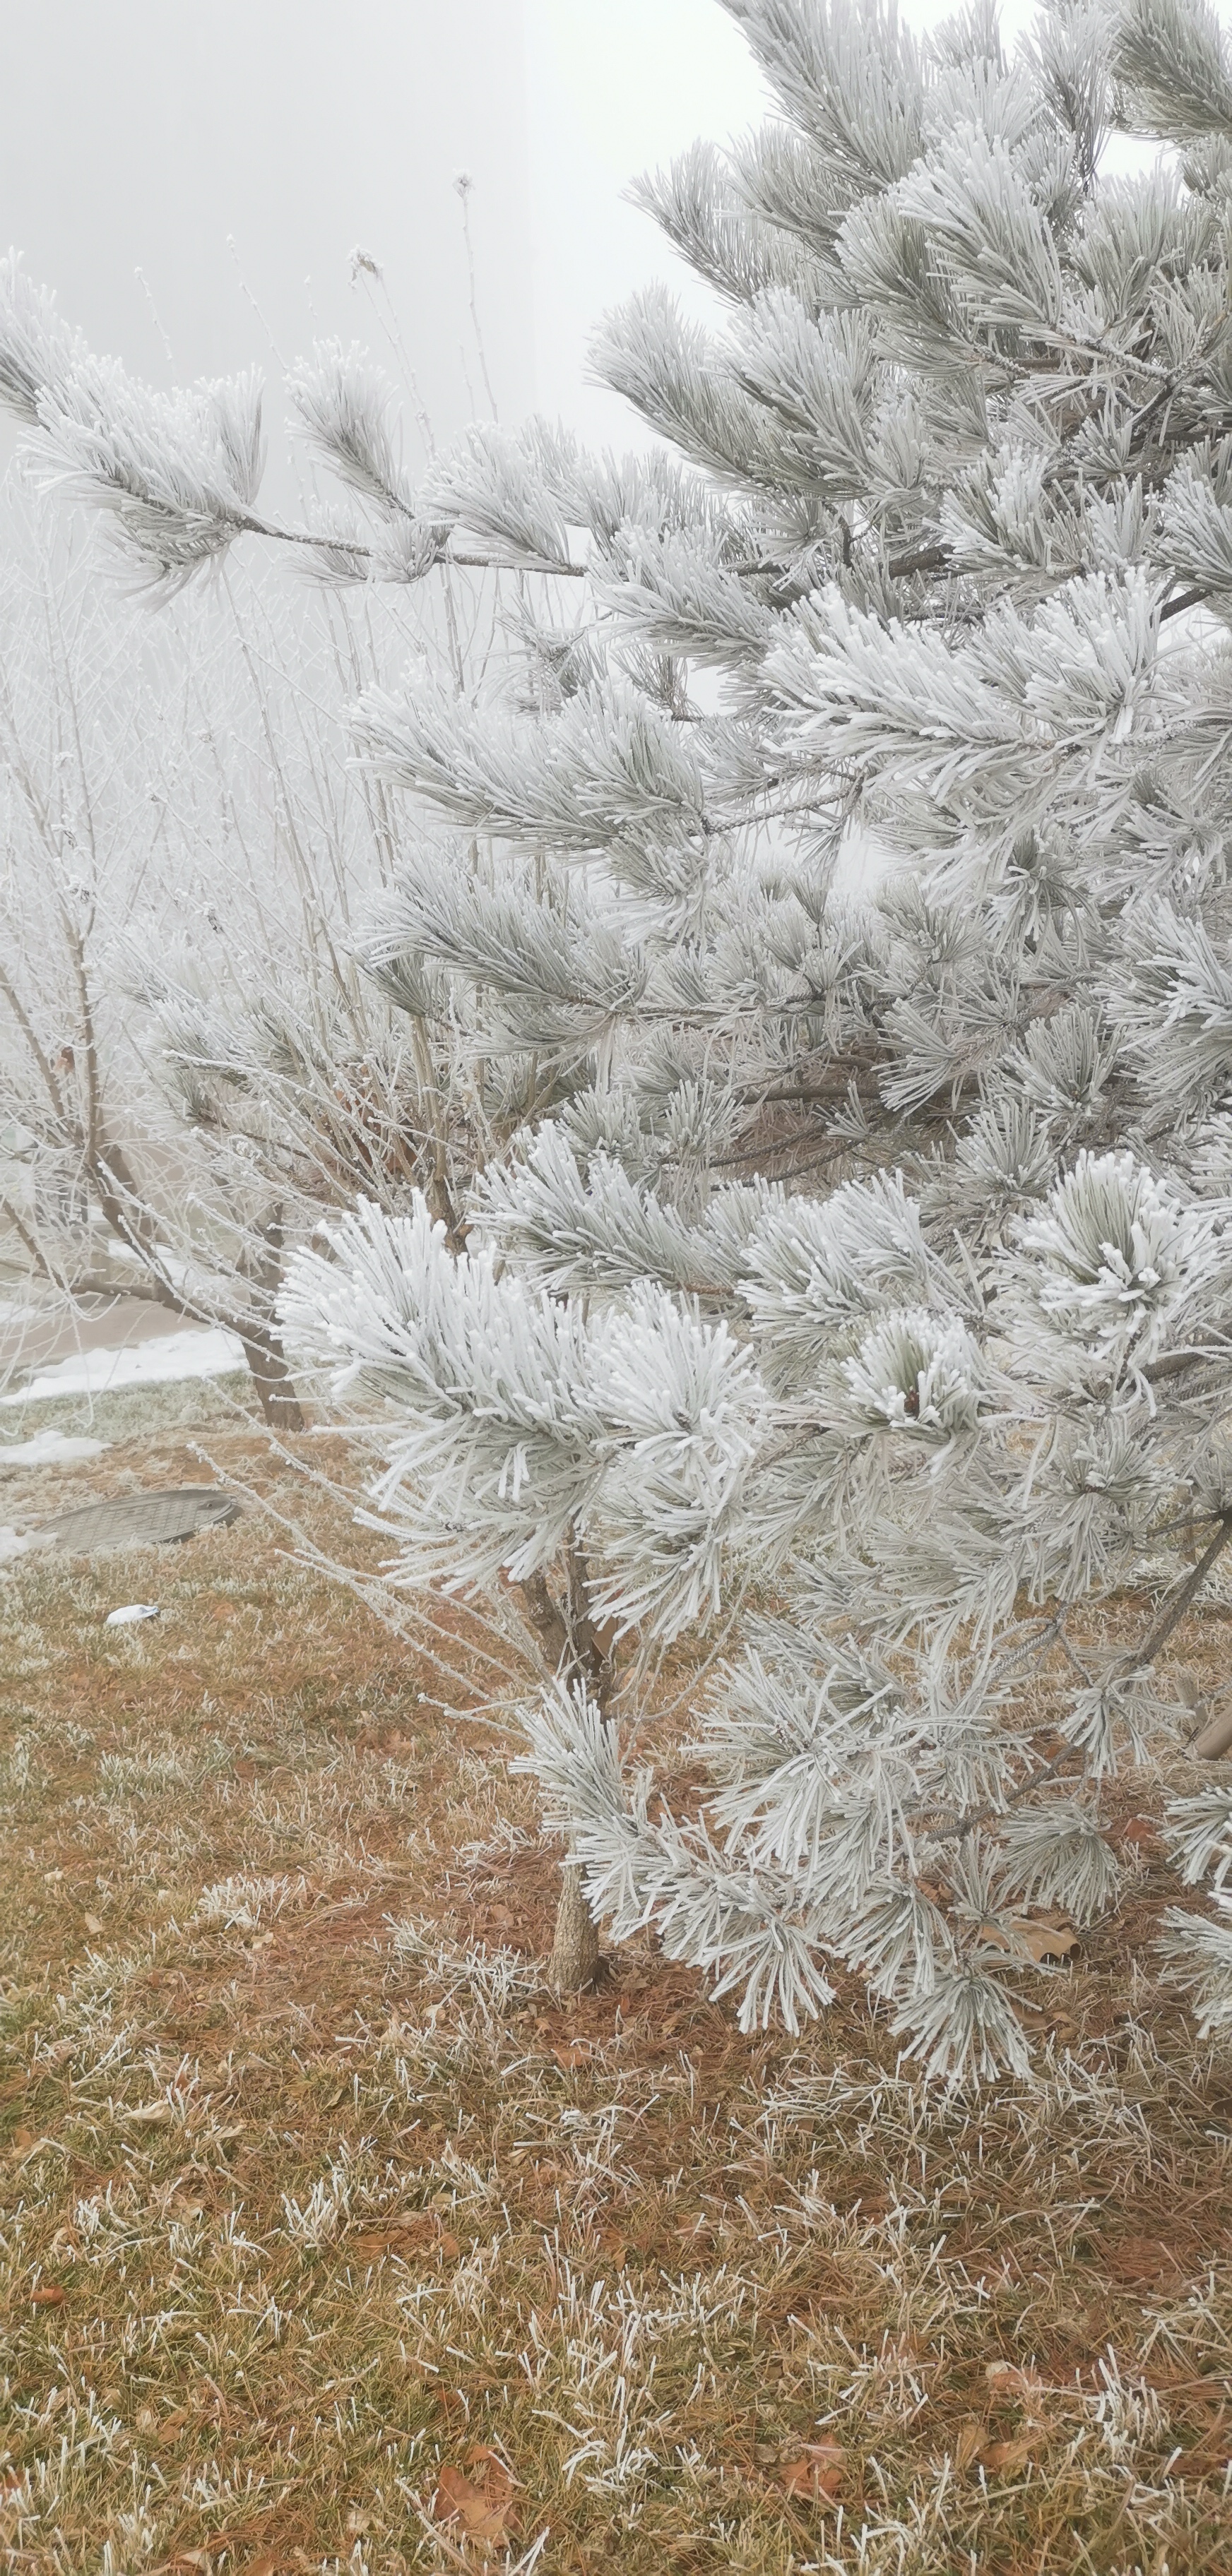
[142, 1520]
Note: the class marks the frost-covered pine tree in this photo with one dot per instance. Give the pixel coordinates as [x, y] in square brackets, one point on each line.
[842, 832]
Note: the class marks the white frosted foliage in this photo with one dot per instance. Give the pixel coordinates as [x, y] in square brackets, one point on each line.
[827, 1267]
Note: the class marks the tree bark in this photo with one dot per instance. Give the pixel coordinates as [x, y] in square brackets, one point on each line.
[263, 1347]
[574, 1962]
[569, 1642]
[273, 1381]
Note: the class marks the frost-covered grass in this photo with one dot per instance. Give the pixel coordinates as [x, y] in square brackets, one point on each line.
[132, 1412]
[311, 2194]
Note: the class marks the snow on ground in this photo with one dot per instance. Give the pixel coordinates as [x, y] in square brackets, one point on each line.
[48, 1449]
[199, 1352]
[15, 1543]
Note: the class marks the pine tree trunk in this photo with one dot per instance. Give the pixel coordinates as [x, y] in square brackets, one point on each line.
[570, 1643]
[263, 1344]
[274, 1383]
[575, 1947]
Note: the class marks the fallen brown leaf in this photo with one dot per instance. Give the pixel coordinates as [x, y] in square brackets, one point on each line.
[816, 2474]
[1040, 1940]
[1142, 1835]
[483, 2513]
[1010, 2455]
[1024, 2387]
[93, 1922]
[23, 2138]
[373, 2243]
[49, 2297]
[578, 2053]
[1048, 1940]
[420, 2232]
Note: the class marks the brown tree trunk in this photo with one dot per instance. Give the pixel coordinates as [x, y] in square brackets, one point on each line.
[263, 1347]
[574, 1963]
[569, 1642]
[273, 1381]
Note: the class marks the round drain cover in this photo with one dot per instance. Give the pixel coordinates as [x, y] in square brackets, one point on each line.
[142, 1520]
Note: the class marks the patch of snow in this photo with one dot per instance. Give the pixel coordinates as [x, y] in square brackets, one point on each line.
[15, 1543]
[199, 1352]
[49, 1449]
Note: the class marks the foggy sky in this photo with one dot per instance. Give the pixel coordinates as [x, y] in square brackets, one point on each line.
[139, 135]
[237, 152]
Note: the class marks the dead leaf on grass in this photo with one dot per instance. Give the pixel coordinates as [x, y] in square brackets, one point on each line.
[578, 2053]
[1040, 1938]
[816, 2474]
[376, 2242]
[1048, 1940]
[1001, 2456]
[93, 1923]
[1024, 2387]
[1142, 1835]
[149, 2115]
[23, 2139]
[1056, 2025]
[50, 2296]
[419, 2232]
[483, 2514]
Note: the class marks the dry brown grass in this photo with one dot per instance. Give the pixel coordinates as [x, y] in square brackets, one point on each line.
[316, 2209]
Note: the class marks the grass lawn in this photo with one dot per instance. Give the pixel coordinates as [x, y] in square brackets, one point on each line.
[329, 2240]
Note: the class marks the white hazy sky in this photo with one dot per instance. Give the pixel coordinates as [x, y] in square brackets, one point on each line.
[235, 152]
[616, 87]
[241, 149]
